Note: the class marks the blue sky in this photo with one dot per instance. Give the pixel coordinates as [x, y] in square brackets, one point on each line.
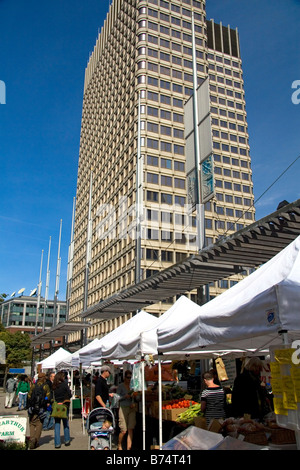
[44, 50]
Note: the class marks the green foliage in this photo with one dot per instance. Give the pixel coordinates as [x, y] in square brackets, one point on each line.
[2, 297]
[13, 445]
[17, 347]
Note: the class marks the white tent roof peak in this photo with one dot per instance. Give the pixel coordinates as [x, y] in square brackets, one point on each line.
[58, 356]
[250, 314]
[110, 346]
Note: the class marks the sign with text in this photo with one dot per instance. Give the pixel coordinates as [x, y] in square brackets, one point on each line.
[13, 428]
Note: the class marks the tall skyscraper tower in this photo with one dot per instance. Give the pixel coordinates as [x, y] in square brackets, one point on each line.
[132, 159]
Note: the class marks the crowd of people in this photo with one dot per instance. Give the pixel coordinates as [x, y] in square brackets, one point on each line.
[249, 396]
[37, 396]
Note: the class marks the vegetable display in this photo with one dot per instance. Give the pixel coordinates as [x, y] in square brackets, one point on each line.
[190, 414]
[178, 403]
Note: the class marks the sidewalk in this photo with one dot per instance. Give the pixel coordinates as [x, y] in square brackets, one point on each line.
[79, 438]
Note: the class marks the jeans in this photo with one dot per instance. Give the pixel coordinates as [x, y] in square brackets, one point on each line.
[48, 421]
[22, 400]
[65, 422]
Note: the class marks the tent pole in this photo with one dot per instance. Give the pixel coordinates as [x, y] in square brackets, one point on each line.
[81, 398]
[143, 405]
[72, 396]
[160, 402]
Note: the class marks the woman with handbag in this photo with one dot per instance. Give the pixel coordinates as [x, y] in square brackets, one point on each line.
[60, 408]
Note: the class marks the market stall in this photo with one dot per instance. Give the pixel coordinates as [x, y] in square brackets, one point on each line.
[260, 313]
[248, 316]
[54, 359]
[113, 340]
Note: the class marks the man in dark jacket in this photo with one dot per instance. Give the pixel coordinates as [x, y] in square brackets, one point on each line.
[102, 389]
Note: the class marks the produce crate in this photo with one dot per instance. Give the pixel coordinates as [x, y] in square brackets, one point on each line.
[258, 438]
[282, 436]
[200, 422]
[171, 415]
[154, 409]
[215, 426]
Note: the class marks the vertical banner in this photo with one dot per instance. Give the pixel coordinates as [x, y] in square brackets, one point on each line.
[205, 148]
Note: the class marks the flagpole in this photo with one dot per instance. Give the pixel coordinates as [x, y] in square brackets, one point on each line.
[47, 285]
[57, 279]
[39, 295]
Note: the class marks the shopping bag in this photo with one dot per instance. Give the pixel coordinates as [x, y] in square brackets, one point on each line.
[59, 410]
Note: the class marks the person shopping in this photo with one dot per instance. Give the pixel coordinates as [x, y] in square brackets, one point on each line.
[38, 400]
[22, 392]
[61, 394]
[212, 399]
[10, 392]
[127, 411]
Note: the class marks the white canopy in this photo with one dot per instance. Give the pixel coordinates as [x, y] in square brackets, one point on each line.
[183, 310]
[57, 357]
[113, 345]
[144, 340]
[249, 315]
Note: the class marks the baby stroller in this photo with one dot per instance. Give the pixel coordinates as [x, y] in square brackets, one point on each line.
[100, 427]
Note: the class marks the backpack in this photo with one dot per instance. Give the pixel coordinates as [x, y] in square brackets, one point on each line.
[37, 401]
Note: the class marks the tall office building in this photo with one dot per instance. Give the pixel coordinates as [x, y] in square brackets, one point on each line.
[133, 152]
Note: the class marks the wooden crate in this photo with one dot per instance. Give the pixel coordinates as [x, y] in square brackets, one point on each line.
[282, 436]
[258, 438]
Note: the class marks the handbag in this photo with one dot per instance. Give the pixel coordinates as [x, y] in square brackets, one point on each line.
[59, 410]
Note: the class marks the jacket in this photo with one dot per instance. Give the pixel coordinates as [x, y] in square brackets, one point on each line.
[62, 393]
[23, 387]
[10, 385]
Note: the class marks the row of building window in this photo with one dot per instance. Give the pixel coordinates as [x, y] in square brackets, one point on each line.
[231, 173]
[165, 163]
[165, 29]
[162, 113]
[178, 35]
[165, 198]
[162, 128]
[225, 81]
[233, 186]
[155, 144]
[153, 178]
[174, 7]
[233, 161]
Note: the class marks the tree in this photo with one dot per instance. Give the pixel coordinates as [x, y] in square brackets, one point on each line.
[18, 348]
[2, 297]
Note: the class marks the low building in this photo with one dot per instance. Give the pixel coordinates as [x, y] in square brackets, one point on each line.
[20, 314]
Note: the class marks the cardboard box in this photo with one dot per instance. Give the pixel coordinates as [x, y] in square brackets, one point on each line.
[200, 422]
[215, 425]
[154, 409]
[171, 415]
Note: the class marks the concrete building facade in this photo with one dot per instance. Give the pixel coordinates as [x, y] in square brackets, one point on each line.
[132, 156]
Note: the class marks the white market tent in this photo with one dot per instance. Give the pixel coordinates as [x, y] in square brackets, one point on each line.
[52, 361]
[144, 341]
[73, 360]
[131, 328]
[249, 316]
